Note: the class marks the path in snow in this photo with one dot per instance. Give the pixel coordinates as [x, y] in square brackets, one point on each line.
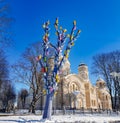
[62, 119]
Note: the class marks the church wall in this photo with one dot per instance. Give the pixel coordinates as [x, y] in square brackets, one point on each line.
[87, 96]
[93, 98]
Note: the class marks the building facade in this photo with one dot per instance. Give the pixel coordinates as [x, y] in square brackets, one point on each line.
[76, 91]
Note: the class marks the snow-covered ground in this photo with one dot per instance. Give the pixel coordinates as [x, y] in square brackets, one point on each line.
[78, 118]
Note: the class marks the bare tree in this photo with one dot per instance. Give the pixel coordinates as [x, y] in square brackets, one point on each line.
[104, 64]
[4, 73]
[22, 95]
[27, 72]
[7, 92]
[7, 96]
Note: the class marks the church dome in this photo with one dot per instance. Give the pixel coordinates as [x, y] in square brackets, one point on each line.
[82, 64]
[100, 80]
[100, 83]
[66, 64]
[83, 71]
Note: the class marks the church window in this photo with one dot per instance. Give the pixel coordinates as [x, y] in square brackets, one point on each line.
[80, 103]
[76, 88]
[87, 86]
[106, 97]
[94, 103]
[101, 85]
[92, 91]
[73, 87]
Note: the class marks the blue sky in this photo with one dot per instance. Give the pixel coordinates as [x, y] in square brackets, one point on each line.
[99, 21]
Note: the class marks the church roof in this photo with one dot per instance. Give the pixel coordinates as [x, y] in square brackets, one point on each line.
[82, 64]
[104, 91]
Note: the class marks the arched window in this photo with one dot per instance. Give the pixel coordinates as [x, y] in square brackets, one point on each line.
[73, 87]
[80, 104]
[94, 103]
[76, 88]
[100, 84]
[106, 97]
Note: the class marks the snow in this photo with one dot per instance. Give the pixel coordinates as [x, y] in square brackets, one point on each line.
[77, 118]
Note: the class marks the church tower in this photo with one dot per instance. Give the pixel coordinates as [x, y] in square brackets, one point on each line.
[83, 71]
[65, 69]
[100, 83]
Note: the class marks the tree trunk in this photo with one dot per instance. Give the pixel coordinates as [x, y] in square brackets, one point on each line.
[62, 101]
[24, 100]
[112, 100]
[119, 100]
[48, 107]
[32, 105]
[22, 104]
[41, 103]
[115, 104]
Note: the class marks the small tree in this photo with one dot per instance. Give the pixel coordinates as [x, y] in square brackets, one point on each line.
[51, 75]
[22, 95]
[7, 95]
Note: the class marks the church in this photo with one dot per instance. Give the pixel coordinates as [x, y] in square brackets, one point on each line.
[76, 91]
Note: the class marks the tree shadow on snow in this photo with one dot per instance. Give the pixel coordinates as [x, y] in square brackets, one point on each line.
[21, 120]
